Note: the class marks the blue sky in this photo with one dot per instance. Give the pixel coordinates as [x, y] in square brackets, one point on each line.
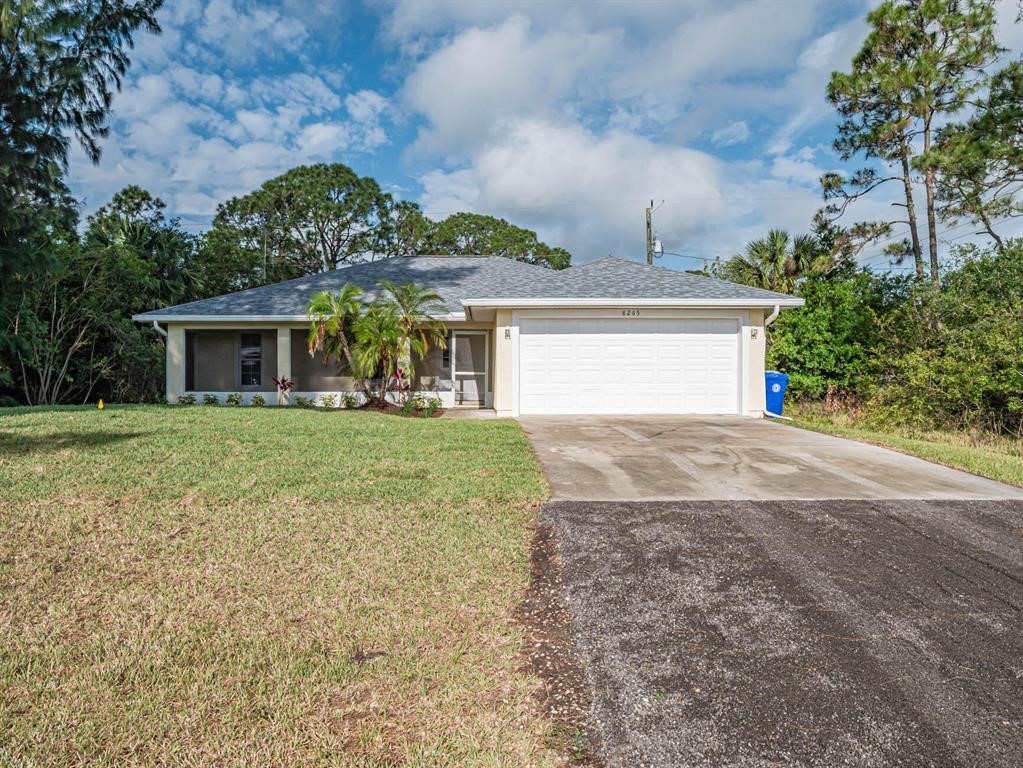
[563, 117]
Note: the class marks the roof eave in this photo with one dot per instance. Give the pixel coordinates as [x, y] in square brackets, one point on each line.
[766, 302]
[148, 317]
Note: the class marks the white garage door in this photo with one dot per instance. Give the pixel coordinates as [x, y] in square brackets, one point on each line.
[628, 365]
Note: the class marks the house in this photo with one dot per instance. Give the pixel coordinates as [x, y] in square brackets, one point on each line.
[610, 336]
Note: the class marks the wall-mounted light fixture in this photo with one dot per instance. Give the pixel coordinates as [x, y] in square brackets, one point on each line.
[507, 333]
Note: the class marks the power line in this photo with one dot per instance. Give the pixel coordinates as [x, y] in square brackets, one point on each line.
[939, 235]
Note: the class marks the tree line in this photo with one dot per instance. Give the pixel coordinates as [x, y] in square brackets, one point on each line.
[68, 288]
[70, 334]
[933, 106]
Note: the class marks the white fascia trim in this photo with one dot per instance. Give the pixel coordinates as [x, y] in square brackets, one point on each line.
[791, 301]
[149, 318]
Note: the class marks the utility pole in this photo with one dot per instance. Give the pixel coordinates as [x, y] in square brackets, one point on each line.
[650, 233]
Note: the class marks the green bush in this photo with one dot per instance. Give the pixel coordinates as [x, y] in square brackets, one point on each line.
[257, 401]
[186, 400]
[234, 399]
[328, 401]
[349, 401]
[429, 406]
[209, 399]
[958, 361]
[831, 344]
[303, 402]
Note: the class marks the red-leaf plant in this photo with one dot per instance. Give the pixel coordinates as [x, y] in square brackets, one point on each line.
[400, 383]
[284, 386]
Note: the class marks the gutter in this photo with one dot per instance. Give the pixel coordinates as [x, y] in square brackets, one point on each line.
[155, 317]
[158, 329]
[767, 321]
[565, 302]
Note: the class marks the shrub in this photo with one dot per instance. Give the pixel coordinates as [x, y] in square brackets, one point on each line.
[303, 402]
[186, 400]
[349, 401]
[954, 360]
[430, 406]
[329, 401]
[234, 399]
[209, 399]
[257, 401]
[831, 344]
[409, 406]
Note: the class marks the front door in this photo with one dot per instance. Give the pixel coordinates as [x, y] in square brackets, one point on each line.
[469, 368]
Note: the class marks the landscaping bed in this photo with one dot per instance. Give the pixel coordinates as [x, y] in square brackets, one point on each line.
[247, 586]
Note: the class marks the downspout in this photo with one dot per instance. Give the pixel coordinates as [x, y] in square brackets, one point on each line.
[767, 321]
[158, 329]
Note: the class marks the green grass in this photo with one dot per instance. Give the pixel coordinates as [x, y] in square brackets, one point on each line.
[237, 586]
[994, 457]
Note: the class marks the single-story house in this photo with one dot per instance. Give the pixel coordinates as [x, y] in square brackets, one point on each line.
[611, 336]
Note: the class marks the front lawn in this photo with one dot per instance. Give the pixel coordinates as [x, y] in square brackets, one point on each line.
[240, 586]
[997, 458]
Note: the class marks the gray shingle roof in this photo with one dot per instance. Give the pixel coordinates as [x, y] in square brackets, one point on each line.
[457, 278]
[612, 277]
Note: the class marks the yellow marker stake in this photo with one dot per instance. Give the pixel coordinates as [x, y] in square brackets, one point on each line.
[100, 404]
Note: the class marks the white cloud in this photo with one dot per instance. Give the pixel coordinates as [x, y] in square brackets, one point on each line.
[366, 106]
[565, 117]
[580, 189]
[195, 132]
[469, 89]
[245, 32]
[797, 169]
[735, 132]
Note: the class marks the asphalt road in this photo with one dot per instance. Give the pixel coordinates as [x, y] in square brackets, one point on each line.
[798, 633]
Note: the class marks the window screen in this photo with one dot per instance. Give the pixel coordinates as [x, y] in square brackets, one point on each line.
[445, 355]
[251, 358]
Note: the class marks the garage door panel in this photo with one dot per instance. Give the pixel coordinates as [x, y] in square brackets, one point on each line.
[628, 365]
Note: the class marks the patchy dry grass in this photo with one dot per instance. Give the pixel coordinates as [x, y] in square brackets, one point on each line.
[239, 587]
[998, 458]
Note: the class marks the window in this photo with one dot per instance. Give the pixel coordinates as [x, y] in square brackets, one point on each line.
[251, 360]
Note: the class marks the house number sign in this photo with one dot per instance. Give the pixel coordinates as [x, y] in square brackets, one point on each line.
[630, 313]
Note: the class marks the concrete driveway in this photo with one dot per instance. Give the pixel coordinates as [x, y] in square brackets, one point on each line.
[652, 458]
[739, 592]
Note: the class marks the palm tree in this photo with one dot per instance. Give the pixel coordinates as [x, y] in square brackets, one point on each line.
[379, 334]
[333, 318]
[776, 262]
[417, 307]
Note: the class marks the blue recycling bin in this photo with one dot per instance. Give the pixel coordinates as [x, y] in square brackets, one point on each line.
[776, 383]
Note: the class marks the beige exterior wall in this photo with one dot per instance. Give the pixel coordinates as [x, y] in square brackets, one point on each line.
[284, 346]
[284, 352]
[501, 371]
[175, 363]
[756, 349]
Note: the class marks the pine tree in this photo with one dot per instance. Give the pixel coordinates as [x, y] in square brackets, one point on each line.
[921, 61]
